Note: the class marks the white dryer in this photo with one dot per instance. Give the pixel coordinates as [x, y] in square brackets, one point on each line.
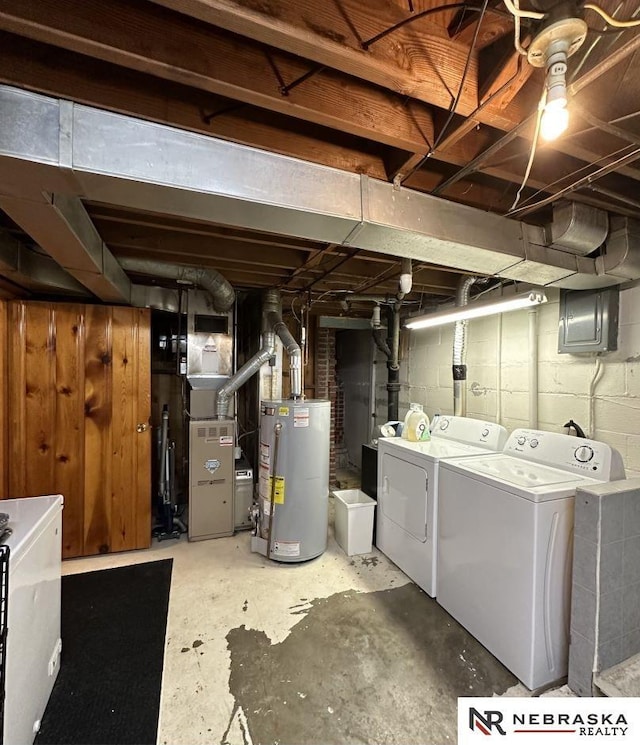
[407, 510]
[505, 545]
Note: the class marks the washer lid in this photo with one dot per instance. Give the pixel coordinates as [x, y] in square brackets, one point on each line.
[434, 448]
[530, 480]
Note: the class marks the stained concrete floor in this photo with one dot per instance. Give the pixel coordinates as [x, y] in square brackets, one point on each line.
[335, 650]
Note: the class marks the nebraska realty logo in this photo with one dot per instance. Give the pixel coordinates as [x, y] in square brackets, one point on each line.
[549, 720]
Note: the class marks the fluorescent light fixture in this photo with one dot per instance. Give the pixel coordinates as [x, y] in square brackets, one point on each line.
[477, 310]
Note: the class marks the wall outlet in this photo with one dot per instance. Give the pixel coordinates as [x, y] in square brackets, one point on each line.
[54, 661]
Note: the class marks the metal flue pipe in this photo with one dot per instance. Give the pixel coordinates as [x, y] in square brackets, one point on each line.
[250, 368]
[291, 346]
[272, 324]
[460, 350]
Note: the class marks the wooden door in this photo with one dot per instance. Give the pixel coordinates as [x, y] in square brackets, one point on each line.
[78, 387]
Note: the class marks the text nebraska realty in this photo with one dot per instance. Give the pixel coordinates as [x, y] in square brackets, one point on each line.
[581, 724]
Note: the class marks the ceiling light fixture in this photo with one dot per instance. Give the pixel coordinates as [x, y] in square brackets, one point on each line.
[477, 310]
[550, 49]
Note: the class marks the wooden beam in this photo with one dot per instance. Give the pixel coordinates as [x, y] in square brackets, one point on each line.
[183, 246]
[211, 233]
[503, 69]
[146, 38]
[57, 72]
[416, 60]
[463, 25]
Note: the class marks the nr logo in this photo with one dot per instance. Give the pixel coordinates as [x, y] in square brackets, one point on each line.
[486, 721]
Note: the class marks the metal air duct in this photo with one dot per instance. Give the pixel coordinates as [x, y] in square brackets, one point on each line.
[213, 282]
[53, 151]
[460, 351]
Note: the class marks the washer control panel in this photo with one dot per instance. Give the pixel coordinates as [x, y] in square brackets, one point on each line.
[490, 435]
[589, 457]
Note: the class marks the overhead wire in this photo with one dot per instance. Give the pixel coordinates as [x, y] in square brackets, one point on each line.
[516, 31]
[454, 103]
[514, 9]
[609, 19]
[575, 173]
[532, 152]
[629, 157]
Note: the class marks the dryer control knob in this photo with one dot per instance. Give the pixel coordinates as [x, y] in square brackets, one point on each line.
[533, 443]
[485, 432]
[584, 453]
[444, 424]
[522, 440]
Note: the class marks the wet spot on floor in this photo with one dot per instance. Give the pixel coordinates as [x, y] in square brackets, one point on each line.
[185, 649]
[197, 643]
[369, 561]
[378, 667]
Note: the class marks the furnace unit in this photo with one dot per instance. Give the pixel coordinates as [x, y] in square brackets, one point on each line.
[211, 478]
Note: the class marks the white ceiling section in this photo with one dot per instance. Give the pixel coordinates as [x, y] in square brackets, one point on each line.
[53, 152]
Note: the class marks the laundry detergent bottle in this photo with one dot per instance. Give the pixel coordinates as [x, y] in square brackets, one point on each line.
[416, 424]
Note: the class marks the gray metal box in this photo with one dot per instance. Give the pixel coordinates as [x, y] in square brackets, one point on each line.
[588, 320]
[211, 478]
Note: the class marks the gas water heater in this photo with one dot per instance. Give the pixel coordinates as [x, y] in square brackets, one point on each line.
[293, 505]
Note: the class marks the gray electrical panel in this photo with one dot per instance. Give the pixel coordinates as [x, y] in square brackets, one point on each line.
[588, 320]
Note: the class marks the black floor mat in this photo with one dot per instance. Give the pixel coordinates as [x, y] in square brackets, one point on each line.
[113, 633]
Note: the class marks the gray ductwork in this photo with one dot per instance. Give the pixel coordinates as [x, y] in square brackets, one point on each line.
[222, 293]
[621, 257]
[272, 324]
[53, 150]
[460, 351]
[577, 228]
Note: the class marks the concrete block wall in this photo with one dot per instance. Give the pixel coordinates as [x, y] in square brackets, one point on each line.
[605, 610]
[497, 376]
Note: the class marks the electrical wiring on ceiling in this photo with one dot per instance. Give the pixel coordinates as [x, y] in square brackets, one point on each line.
[532, 152]
[454, 103]
[576, 174]
[516, 30]
[610, 20]
[514, 9]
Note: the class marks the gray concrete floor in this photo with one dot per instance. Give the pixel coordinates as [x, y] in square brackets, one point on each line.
[336, 650]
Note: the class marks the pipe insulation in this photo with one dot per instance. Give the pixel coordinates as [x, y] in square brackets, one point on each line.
[460, 350]
[221, 291]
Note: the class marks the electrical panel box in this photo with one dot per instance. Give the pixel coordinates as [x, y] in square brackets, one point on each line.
[588, 320]
[211, 478]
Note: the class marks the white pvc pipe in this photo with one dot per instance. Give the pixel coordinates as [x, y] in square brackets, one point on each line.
[533, 368]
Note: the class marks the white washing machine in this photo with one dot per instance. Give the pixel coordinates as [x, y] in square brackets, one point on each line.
[407, 510]
[505, 545]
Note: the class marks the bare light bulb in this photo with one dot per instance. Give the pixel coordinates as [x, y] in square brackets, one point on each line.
[555, 119]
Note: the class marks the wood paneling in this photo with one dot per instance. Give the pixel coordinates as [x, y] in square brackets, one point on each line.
[69, 401]
[97, 436]
[142, 449]
[78, 383]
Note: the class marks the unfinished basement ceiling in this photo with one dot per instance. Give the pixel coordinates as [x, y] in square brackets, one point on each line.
[311, 81]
